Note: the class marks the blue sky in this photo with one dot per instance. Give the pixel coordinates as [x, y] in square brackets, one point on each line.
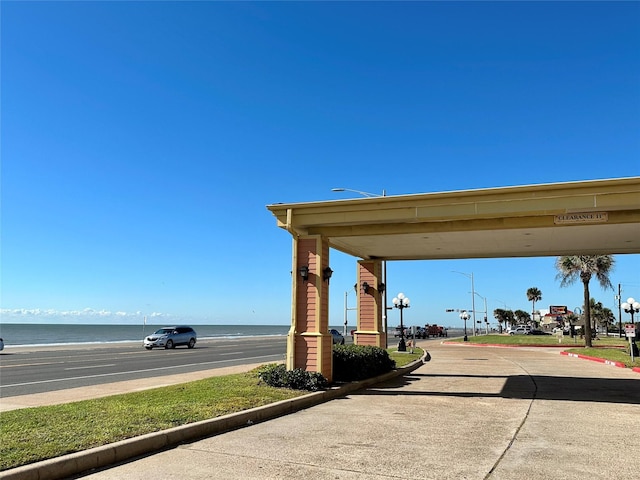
[141, 142]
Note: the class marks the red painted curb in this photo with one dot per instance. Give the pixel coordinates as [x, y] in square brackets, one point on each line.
[595, 359]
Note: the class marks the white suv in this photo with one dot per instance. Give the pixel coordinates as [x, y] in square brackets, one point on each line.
[170, 337]
[520, 330]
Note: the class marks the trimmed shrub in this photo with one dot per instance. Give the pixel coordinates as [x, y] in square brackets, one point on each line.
[277, 375]
[358, 362]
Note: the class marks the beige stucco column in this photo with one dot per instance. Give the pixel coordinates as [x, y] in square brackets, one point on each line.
[309, 344]
[370, 329]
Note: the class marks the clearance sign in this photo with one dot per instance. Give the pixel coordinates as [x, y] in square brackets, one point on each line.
[586, 217]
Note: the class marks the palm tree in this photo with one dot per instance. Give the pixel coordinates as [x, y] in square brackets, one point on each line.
[572, 267]
[601, 315]
[534, 295]
[505, 316]
[500, 315]
[522, 317]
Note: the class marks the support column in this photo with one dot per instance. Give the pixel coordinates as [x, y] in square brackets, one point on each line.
[309, 344]
[370, 329]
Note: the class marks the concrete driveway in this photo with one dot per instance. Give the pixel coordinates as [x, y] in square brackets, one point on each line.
[469, 413]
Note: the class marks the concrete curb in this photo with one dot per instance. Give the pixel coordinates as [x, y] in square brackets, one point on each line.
[600, 360]
[100, 457]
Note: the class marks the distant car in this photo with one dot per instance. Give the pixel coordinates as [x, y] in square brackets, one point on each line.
[171, 337]
[421, 332]
[520, 330]
[1, 344]
[538, 332]
[338, 339]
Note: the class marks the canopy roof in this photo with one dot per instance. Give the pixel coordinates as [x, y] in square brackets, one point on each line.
[572, 218]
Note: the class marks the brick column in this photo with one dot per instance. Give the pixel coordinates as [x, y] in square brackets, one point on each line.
[370, 329]
[309, 344]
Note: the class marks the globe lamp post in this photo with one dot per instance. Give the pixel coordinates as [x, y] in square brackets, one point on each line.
[401, 302]
[631, 306]
[465, 316]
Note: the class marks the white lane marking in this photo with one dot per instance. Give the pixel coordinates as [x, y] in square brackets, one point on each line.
[31, 364]
[91, 366]
[136, 371]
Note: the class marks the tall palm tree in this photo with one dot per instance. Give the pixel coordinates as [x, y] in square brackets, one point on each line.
[505, 316]
[534, 295]
[601, 315]
[522, 317]
[572, 267]
[500, 315]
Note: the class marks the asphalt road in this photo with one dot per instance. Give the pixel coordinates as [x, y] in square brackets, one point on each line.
[26, 371]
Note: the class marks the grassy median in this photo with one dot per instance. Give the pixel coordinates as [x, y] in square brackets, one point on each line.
[33, 434]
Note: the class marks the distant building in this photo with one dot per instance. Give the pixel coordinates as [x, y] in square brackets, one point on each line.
[550, 320]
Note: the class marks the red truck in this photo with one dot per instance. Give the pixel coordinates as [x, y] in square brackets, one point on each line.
[436, 330]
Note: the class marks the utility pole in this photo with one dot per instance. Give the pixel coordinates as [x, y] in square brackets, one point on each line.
[619, 298]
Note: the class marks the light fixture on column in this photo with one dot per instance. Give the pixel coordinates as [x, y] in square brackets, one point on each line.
[464, 316]
[304, 272]
[381, 287]
[365, 287]
[326, 274]
[401, 302]
[631, 306]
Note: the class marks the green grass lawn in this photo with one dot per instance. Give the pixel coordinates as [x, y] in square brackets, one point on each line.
[405, 358]
[32, 434]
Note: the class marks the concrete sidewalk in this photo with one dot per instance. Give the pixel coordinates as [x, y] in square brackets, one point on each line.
[471, 412]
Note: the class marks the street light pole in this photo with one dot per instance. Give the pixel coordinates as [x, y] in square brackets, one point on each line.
[401, 302]
[486, 323]
[346, 309]
[473, 299]
[366, 194]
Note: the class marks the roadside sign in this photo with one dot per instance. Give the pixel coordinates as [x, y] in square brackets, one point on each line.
[630, 331]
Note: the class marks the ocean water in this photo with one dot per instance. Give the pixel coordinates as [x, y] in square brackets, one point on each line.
[26, 335]
[61, 334]
[15, 334]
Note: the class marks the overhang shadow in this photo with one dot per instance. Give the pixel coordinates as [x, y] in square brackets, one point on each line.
[530, 387]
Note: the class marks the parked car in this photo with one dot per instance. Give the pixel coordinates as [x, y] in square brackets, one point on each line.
[171, 337]
[337, 337]
[520, 330]
[537, 331]
[398, 332]
[420, 332]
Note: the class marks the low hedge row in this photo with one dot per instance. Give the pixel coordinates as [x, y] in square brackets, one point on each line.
[358, 362]
[350, 363]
